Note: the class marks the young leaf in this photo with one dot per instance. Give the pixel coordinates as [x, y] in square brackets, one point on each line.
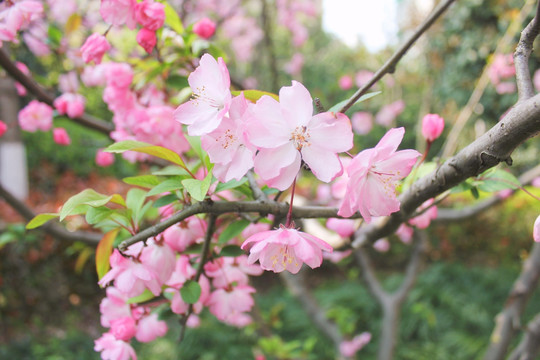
[172, 19]
[171, 170]
[85, 197]
[145, 296]
[177, 82]
[165, 200]
[254, 95]
[230, 185]
[190, 292]
[40, 219]
[231, 250]
[104, 251]
[145, 181]
[95, 215]
[142, 147]
[233, 230]
[198, 188]
[166, 186]
[364, 97]
[498, 180]
[134, 201]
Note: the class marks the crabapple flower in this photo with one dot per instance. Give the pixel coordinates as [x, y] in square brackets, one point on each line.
[150, 14]
[205, 28]
[147, 39]
[94, 48]
[432, 127]
[381, 245]
[422, 221]
[113, 349]
[362, 122]
[21, 90]
[285, 249]
[405, 233]
[345, 82]
[211, 99]
[61, 137]
[149, 328]
[227, 146]
[536, 230]
[373, 176]
[3, 128]
[113, 306]
[36, 116]
[118, 12]
[104, 158]
[225, 304]
[389, 113]
[351, 347]
[286, 132]
[344, 227]
[123, 328]
[70, 104]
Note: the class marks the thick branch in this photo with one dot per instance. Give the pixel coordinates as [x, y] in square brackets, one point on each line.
[495, 146]
[507, 321]
[521, 57]
[529, 347]
[40, 94]
[53, 229]
[390, 65]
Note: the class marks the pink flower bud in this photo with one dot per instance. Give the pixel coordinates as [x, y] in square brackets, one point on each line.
[70, 104]
[123, 328]
[345, 82]
[205, 28]
[536, 230]
[150, 14]
[381, 245]
[21, 90]
[3, 128]
[432, 127]
[61, 136]
[104, 158]
[147, 39]
[94, 48]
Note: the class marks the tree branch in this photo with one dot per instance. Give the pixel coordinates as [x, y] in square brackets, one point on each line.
[390, 65]
[52, 228]
[495, 146]
[507, 322]
[40, 94]
[529, 347]
[521, 57]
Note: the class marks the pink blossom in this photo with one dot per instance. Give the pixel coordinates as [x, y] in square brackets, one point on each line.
[113, 349]
[295, 65]
[351, 347]
[536, 230]
[422, 221]
[118, 12]
[150, 14]
[227, 146]
[68, 82]
[373, 177]
[21, 90]
[211, 99]
[363, 77]
[286, 132]
[536, 80]
[119, 75]
[344, 227]
[505, 87]
[389, 113]
[94, 75]
[362, 122]
[205, 28]
[36, 116]
[285, 249]
[188, 232]
[123, 328]
[505, 193]
[147, 39]
[104, 158]
[113, 306]
[536, 182]
[61, 137]
[382, 245]
[183, 271]
[35, 37]
[70, 104]
[150, 327]
[178, 306]
[502, 67]
[94, 48]
[336, 256]
[405, 233]
[432, 127]
[226, 304]
[226, 271]
[61, 10]
[3, 128]
[345, 82]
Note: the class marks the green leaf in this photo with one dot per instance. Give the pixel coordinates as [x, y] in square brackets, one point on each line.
[497, 180]
[165, 200]
[85, 197]
[254, 95]
[40, 219]
[364, 97]
[474, 192]
[104, 251]
[233, 230]
[232, 251]
[198, 188]
[142, 147]
[172, 19]
[190, 292]
[145, 181]
[177, 82]
[134, 202]
[95, 215]
[171, 170]
[55, 34]
[145, 296]
[166, 186]
[230, 185]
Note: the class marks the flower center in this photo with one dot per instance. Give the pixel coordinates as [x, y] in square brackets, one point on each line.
[300, 137]
[227, 139]
[199, 94]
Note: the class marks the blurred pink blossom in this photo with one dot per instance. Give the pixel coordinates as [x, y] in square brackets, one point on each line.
[61, 136]
[146, 39]
[432, 127]
[3, 128]
[111, 348]
[536, 230]
[422, 221]
[93, 49]
[382, 245]
[351, 347]
[205, 28]
[123, 328]
[150, 14]
[294, 66]
[118, 12]
[71, 105]
[21, 90]
[149, 327]
[388, 113]
[104, 158]
[362, 122]
[36, 116]
[345, 82]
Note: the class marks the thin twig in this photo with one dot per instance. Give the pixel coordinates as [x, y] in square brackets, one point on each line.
[390, 65]
[521, 57]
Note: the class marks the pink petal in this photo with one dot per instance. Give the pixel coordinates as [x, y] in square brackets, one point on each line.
[324, 164]
[296, 104]
[269, 162]
[332, 132]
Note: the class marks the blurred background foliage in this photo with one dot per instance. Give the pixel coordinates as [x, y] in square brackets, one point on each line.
[49, 311]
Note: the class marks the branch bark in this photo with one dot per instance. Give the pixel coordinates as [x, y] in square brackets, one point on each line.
[529, 347]
[521, 57]
[507, 322]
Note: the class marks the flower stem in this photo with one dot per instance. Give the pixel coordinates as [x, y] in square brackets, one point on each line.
[289, 214]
